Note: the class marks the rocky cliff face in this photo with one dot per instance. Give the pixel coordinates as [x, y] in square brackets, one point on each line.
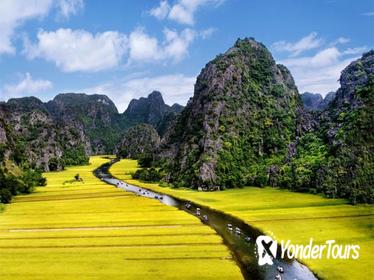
[315, 101]
[95, 115]
[30, 134]
[5, 138]
[246, 125]
[98, 117]
[98, 109]
[310, 100]
[347, 126]
[357, 75]
[152, 110]
[138, 142]
[147, 110]
[243, 112]
[327, 100]
[66, 129]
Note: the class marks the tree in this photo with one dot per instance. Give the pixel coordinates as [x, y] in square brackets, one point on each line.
[5, 196]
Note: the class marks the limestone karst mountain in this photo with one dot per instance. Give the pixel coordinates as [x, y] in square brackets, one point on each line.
[65, 130]
[315, 101]
[246, 125]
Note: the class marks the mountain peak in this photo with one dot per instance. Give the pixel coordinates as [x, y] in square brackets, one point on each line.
[26, 104]
[251, 48]
[152, 110]
[358, 72]
[315, 101]
[356, 75]
[242, 96]
[70, 98]
[156, 95]
[248, 42]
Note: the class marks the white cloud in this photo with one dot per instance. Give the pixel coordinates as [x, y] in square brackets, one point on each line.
[340, 40]
[175, 88]
[354, 51]
[144, 48]
[176, 45]
[79, 50]
[206, 33]
[325, 57]
[69, 7]
[308, 42]
[13, 13]
[320, 73]
[320, 59]
[26, 86]
[183, 11]
[162, 11]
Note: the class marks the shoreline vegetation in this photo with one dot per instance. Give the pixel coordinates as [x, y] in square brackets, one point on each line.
[287, 216]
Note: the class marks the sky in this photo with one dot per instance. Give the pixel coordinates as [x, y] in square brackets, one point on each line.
[127, 49]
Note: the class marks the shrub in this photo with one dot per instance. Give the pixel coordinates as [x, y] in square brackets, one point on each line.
[148, 175]
[5, 196]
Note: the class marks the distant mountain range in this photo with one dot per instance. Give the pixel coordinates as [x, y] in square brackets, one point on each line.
[66, 129]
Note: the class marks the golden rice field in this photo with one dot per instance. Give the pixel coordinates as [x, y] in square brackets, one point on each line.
[92, 230]
[290, 215]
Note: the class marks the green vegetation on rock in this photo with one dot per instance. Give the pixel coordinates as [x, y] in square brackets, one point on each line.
[246, 125]
[239, 124]
[139, 142]
[337, 157]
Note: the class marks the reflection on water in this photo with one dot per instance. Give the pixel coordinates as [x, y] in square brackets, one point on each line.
[237, 235]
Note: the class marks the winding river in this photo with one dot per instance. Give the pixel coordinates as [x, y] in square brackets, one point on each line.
[238, 236]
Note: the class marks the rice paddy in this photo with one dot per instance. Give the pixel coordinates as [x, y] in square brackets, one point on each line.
[91, 230]
[289, 215]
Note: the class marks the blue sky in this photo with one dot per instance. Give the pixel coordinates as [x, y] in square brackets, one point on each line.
[126, 49]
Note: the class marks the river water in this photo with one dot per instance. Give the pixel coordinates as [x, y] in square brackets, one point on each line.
[239, 237]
